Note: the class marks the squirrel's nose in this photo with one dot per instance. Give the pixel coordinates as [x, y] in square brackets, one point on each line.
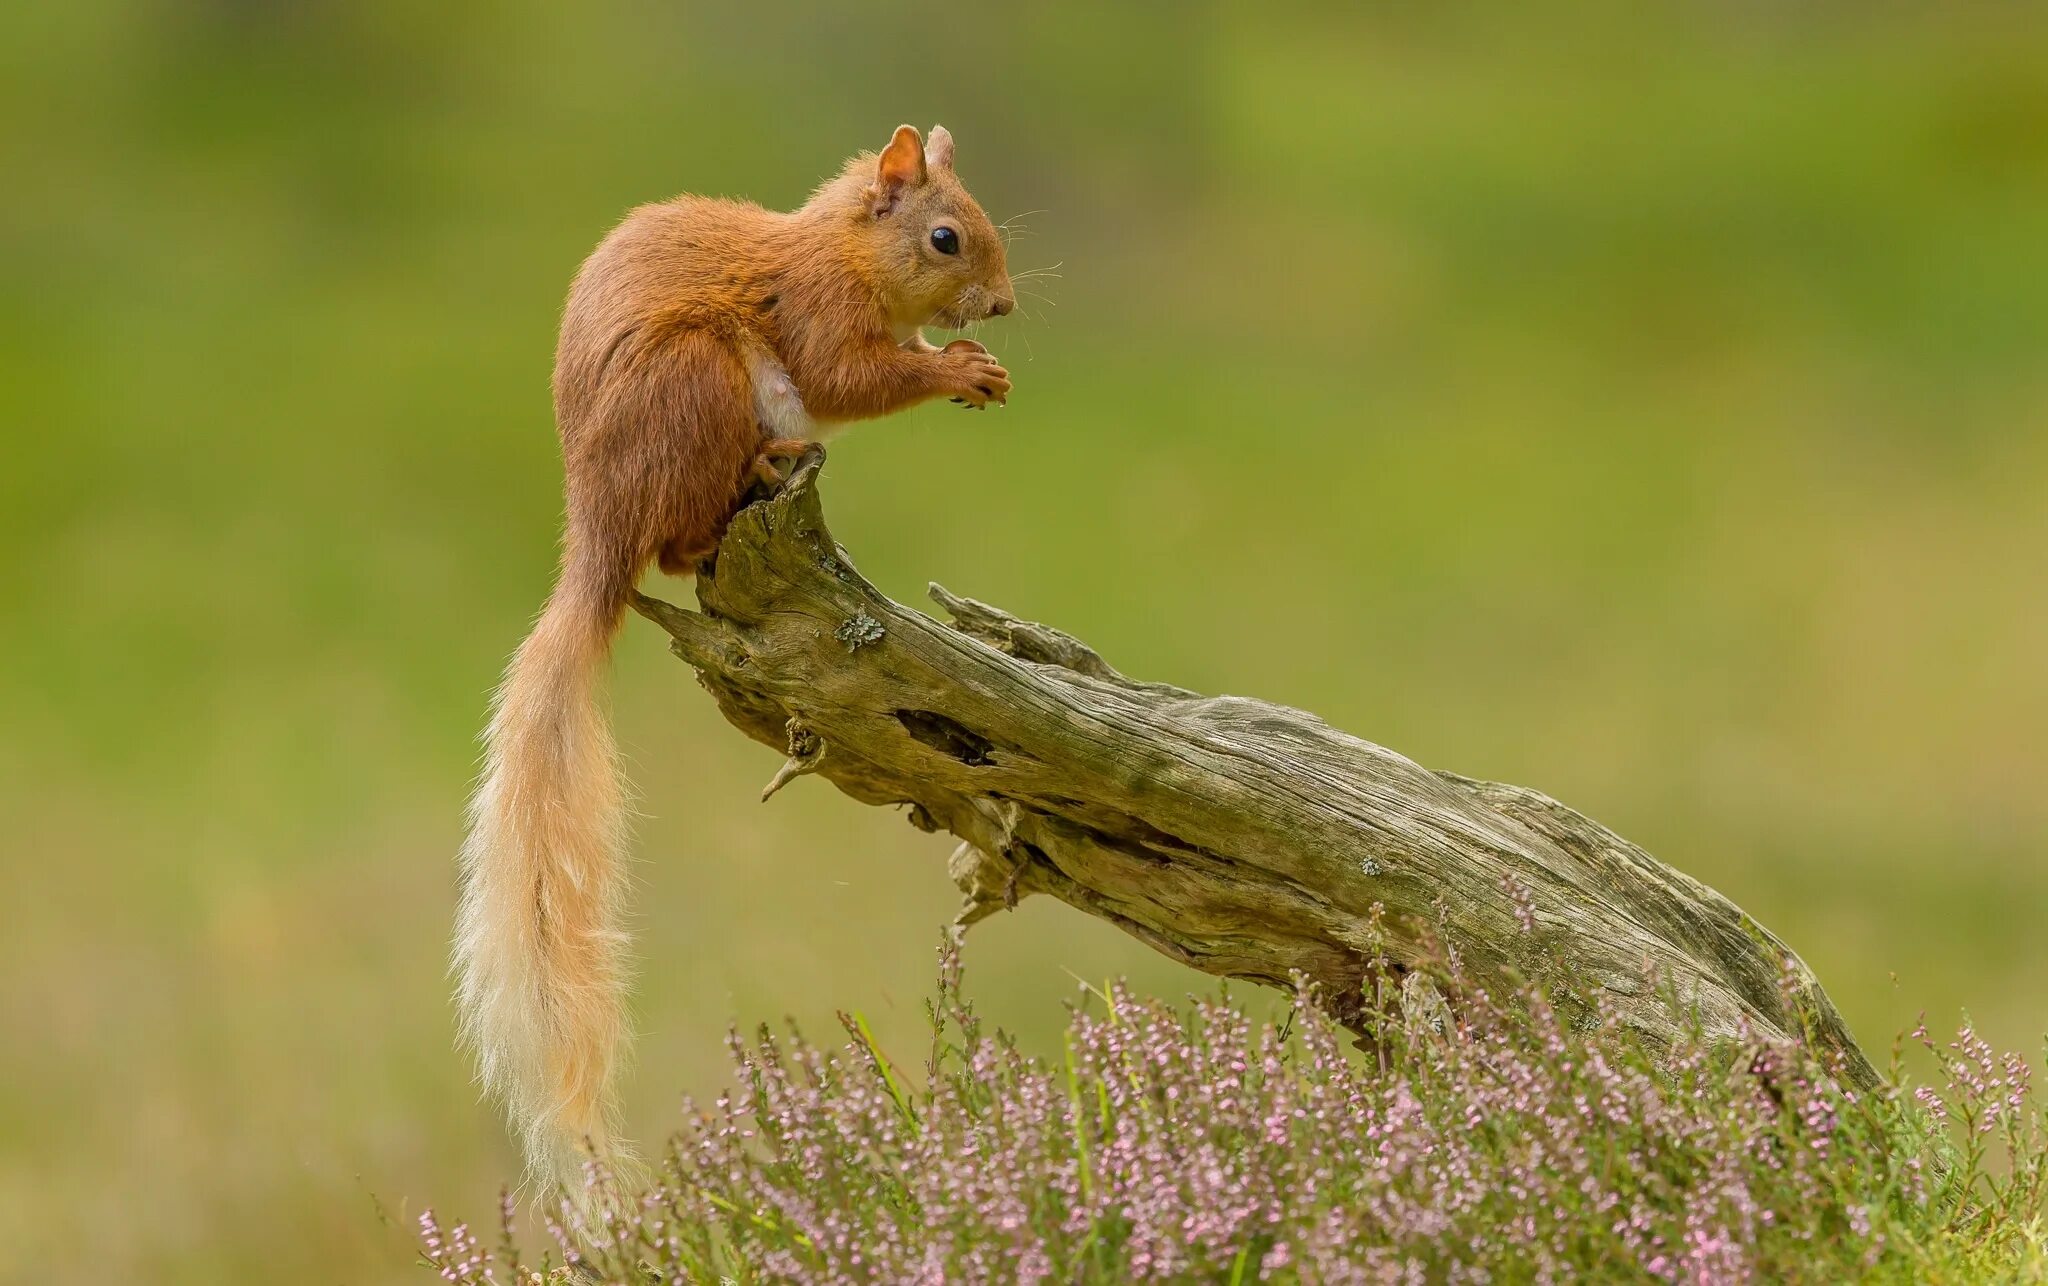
[1001, 306]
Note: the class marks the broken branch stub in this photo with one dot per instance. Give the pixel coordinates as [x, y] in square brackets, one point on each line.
[1244, 839]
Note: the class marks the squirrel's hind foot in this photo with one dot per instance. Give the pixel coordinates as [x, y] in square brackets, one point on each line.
[768, 461]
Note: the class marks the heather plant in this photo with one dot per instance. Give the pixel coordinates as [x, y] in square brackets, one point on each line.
[1508, 1135]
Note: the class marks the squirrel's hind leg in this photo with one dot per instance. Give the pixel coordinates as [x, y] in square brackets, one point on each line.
[692, 442]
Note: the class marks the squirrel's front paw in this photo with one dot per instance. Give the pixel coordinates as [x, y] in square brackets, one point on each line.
[976, 379]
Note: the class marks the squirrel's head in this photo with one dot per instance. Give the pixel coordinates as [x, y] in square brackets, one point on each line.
[940, 261]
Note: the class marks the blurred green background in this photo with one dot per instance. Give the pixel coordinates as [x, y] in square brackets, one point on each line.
[1646, 403]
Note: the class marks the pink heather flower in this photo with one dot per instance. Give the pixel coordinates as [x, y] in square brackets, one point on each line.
[1524, 1141]
[1932, 1101]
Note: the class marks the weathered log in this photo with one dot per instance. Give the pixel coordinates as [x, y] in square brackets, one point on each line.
[1242, 838]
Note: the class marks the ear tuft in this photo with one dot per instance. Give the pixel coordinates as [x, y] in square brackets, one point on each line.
[900, 166]
[938, 149]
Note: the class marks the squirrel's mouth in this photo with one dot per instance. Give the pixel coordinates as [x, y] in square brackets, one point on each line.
[977, 304]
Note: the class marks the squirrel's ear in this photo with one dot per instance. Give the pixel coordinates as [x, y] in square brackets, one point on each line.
[901, 166]
[938, 149]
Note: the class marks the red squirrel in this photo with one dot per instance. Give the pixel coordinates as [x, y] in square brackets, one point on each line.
[704, 341]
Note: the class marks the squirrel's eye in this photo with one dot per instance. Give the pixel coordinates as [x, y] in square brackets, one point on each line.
[945, 241]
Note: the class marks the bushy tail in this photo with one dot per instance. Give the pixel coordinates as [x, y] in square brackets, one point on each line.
[539, 945]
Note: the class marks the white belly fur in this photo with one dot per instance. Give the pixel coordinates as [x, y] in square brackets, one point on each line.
[776, 403]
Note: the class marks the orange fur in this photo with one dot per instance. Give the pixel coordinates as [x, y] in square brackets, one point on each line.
[689, 328]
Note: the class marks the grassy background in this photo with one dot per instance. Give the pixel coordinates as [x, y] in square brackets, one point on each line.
[1656, 397]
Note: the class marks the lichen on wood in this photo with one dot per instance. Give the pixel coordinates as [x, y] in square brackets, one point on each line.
[1245, 839]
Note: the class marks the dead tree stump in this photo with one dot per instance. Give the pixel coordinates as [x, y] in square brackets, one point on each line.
[1242, 838]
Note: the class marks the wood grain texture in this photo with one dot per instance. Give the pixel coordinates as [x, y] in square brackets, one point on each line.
[1242, 838]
